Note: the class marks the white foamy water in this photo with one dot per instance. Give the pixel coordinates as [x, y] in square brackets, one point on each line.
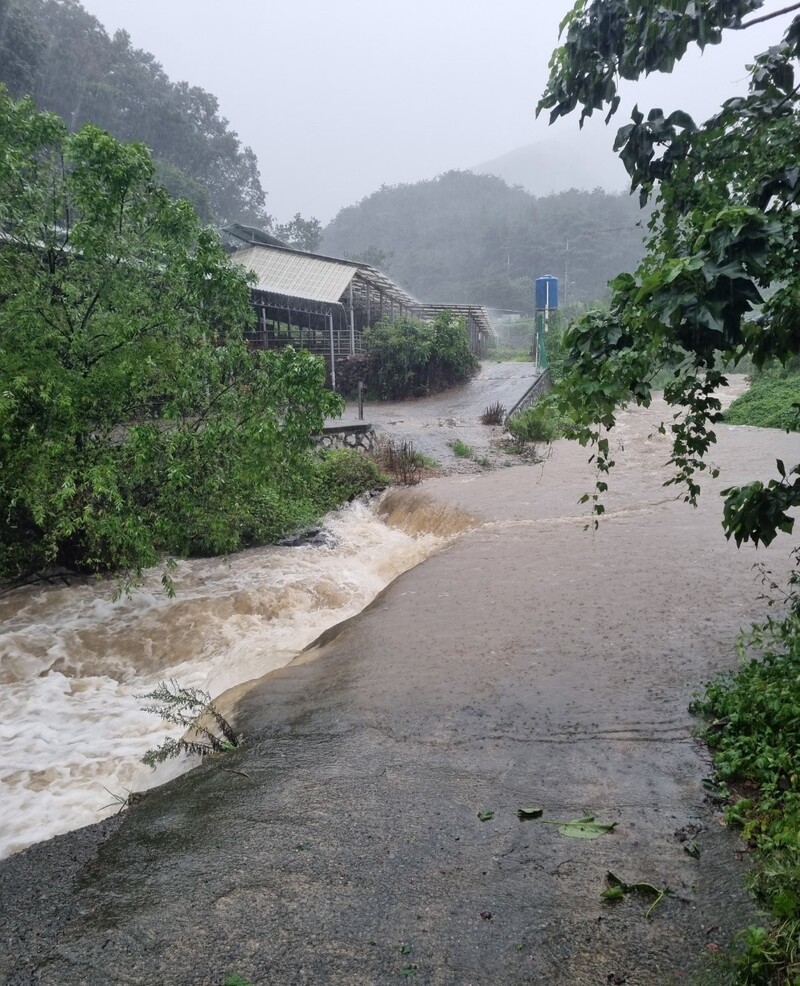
[72, 661]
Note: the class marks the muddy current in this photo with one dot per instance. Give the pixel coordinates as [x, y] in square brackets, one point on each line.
[73, 661]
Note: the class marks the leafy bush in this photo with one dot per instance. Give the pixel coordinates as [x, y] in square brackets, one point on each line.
[556, 351]
[755, 735]
[460, 449]
[408, 357]
[343, 474]
[770, 402]
[539, 423]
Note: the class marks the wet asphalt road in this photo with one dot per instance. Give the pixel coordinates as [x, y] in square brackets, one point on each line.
[531, 664]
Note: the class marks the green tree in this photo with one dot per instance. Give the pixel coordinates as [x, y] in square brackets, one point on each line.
[89, 77]
[409, 357]
[20, 47]
[719, 281]
[302, 234]
[133, 419]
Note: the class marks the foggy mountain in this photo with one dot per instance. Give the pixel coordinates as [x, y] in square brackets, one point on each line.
[467, 238]
[585, 160]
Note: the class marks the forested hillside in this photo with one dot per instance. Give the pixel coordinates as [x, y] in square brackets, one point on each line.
[61, 55]
[473, 239]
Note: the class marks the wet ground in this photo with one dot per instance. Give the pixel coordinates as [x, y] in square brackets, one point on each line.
[367, 831]
[432, 424]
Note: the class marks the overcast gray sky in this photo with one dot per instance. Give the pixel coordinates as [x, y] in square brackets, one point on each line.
[338, 97]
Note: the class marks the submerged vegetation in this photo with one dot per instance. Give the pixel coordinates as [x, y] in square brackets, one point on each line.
[208, 731]
[540, 423]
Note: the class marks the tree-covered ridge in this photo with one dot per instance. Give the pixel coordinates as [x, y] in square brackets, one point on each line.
[58, 53]
[473, 239]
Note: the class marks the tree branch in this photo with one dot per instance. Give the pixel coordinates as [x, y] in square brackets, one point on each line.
[769, 17]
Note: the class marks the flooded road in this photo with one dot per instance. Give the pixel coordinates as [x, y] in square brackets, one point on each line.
[367, 831]
[72, 661]
[432, 424]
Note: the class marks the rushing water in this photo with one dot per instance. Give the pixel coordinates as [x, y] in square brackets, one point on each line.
[72, 660]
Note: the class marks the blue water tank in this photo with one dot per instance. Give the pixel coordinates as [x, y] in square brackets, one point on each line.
[546, 292]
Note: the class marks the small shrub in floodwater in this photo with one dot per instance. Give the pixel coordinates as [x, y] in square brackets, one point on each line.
[192, 708]
[402, 461]
[344, 474]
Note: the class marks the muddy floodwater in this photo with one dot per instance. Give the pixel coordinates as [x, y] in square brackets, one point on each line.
[367, 830]
[72, 661]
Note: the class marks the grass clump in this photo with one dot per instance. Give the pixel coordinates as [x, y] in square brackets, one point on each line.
[495, 414]
[755, 737]
[460, 449]
[773, 401]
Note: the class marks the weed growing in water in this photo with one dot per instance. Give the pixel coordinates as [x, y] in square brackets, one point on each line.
[402, 461]
[192, 708]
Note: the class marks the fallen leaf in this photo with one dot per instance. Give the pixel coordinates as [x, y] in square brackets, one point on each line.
[618, 889]
[586, 828]
[530, 812]
[484, 816]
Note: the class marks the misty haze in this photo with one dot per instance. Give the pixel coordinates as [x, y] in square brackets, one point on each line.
[399, 460]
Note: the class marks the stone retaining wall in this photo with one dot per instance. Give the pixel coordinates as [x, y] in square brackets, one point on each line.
[360, 436]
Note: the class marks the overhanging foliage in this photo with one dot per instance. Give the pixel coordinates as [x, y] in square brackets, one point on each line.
[719, 281]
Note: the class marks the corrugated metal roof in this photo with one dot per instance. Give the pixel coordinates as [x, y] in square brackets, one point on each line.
[478, 313]
[299, 275]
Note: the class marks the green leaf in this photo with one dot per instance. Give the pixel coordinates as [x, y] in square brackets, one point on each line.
[586, 828]
[486, 815]
[530, 812]
[617, 889]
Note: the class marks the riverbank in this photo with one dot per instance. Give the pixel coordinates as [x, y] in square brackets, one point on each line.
[531, 664]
